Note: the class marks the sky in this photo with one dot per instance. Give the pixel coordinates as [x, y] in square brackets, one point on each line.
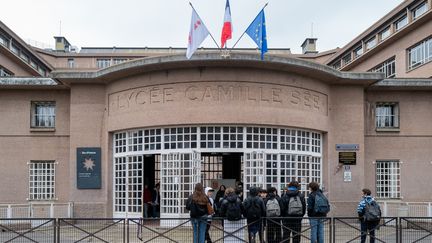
[165, 23]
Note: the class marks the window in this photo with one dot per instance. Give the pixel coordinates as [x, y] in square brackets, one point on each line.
[399, 24]
[388, 179]
[4, 72]
[346, 59]
[43, 114]
[103, 63]
[419, 10]
[14, 49]
[336, 64]
[71, 63]
[388, 68]
[420, 54]
[371, 43]
[387, 115]
[358, 51]
[42, 180]
[119, 60]
[24, 56]
[3, 40]
[385, 33]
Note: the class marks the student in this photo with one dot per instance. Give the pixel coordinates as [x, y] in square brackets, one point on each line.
[369, 213]
[197, 205]
[274, 208]
[232, 209]
[317, 207]
[209, 192]
[254, 211]
[294, 209]
[147, 200]
[156, 201]
[220, 195]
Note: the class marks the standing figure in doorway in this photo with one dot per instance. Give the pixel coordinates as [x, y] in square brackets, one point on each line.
[147, 200]
[156, 201]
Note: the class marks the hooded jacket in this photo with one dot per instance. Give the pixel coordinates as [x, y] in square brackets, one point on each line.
[293, 192]
[231, 198]
[253, 196]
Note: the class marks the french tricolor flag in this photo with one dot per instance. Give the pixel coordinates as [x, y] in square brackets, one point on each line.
[227, 27]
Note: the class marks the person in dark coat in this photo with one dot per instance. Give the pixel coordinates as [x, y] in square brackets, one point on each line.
[274, 232]
[252, 203]
[317, 225]
[292, 223]
[220, 195]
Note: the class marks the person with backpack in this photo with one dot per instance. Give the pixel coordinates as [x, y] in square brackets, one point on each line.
[369, 213]
[254, 211]
[232, 209]
[273, 212]
[197, 205]
[317, 207]
[209, 192]
[295, 208]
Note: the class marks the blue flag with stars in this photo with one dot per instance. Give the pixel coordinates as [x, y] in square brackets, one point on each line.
[257, 31]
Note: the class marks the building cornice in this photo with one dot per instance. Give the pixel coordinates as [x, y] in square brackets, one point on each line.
[214, 59]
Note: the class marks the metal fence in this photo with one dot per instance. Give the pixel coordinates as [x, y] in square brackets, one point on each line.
[334, 230]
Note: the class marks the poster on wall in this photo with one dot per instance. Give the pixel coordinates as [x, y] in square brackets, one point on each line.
[89, 168]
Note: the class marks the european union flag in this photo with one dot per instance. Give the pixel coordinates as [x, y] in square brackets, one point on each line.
[257, 31]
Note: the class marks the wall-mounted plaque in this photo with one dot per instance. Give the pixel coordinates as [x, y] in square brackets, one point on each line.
[89, 168]
[347, 158]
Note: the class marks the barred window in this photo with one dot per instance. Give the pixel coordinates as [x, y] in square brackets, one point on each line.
[261, 138]
[43, 114]
[420, 54]
[387, 115]
[135, 140]
[120, 142]
[388, 179]
[388, 67]
[41, 180]
[180, 138]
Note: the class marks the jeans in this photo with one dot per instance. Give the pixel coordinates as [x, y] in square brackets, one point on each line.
[199, 229]
[317, 230]
[365, 227]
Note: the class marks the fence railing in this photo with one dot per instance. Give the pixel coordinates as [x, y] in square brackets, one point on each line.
[334, 230]
[36, 210]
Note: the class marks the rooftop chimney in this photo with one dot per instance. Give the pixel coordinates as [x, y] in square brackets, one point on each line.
[309, 46]
[61, 44]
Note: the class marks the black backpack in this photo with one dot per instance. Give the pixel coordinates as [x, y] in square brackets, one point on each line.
[253, 212]
[372, 212]
[233, 212]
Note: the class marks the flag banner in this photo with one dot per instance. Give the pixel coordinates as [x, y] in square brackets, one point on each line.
[197, 34]
[257, 31]
[227, 25]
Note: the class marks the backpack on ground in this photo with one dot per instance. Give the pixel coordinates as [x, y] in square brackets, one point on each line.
[295, 206]
[322, 205]
[233, 212]
[273, 208]
[372, 211]
[253, 212]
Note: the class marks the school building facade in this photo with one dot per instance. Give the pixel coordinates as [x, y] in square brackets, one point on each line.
[93, 126]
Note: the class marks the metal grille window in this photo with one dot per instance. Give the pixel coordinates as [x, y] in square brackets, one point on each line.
[42, 180]
[272, 171]
[103, 63]
[43, 114]
[387, 115]
[211, 168]
[120, 142]
[420, 54]
[316, 169]
[135, 140]
[180, 138]
[388, 179]
[288, 168]
[316, 142]
[261, 138]
[288, 139]
[419, 10]
[120, 185]
[134, 183]
[303, 140]
[221, 137]
[388, 67]
[152, 139]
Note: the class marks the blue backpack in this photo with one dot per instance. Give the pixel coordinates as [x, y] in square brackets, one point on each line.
[322, 205]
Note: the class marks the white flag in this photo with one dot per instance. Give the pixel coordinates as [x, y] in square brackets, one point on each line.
[197, 34]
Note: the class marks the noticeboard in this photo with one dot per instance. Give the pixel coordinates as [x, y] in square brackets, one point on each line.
[347, 158]
[89, 168]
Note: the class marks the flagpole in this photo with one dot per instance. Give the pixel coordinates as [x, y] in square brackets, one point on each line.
[206, 27]
[249, 26]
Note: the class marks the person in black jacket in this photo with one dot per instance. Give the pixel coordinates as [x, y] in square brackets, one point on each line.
[254, 211]
[274, 233]
[293, 216]
[317, 225]
[219, 196]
